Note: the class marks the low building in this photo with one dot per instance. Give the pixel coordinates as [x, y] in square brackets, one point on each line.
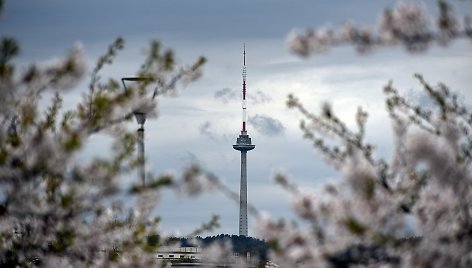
[192, 256]
[179, 253]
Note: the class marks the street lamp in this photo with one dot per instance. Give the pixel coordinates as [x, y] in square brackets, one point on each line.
[141, 119]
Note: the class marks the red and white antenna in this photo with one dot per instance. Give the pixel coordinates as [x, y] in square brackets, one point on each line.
[243, 131]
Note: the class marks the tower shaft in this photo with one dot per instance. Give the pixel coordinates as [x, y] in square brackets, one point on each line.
[243, 196]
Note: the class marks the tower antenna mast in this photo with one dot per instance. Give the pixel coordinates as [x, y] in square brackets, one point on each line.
[244, 92]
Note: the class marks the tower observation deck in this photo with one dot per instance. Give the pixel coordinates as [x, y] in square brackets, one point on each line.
[243, 144]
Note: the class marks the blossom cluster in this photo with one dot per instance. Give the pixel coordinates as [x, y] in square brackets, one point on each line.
[411, 211]
[408, 24]
[56, 211]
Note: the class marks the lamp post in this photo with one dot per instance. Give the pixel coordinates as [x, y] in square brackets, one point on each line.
[141, 119]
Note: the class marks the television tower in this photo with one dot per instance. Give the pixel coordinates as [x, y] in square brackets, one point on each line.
[243, 144]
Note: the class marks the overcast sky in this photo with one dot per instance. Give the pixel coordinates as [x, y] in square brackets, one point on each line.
[203, 122]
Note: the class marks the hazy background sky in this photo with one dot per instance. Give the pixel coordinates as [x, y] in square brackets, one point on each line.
[203, 122]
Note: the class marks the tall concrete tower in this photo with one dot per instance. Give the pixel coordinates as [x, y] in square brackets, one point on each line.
[243, 144]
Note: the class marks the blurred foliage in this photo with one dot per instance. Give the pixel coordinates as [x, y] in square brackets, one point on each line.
[56, 211]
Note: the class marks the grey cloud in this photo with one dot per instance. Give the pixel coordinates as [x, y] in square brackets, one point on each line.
[206, 130]
[209, 130]
[228, 94]
[259, 97]
[267, 125]
[189, 157]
